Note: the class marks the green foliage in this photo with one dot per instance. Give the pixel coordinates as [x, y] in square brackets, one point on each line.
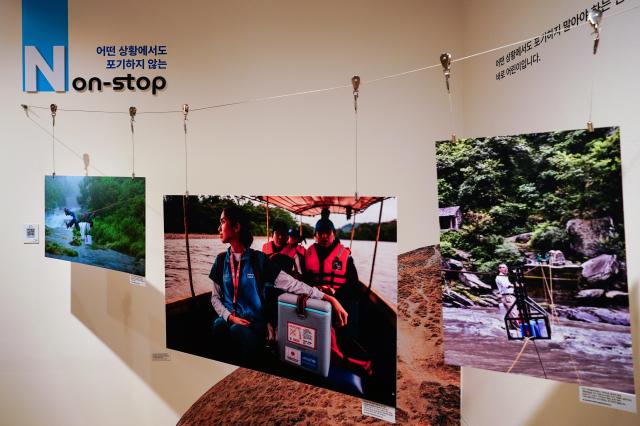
[56, 249]
[547, 237]
[511, 185]
[204, 215]
[54, 190]
[446, 249]
[77, 237]
[367, 231]
[455, 239]
[204, 218]
[119, 208]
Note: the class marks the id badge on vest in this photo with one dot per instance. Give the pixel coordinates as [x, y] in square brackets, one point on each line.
[336, 265]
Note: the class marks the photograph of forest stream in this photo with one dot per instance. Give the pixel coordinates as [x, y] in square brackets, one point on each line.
[97, 221]
[535, 223]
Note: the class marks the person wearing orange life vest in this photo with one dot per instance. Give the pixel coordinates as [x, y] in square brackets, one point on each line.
[328, 264]
[329, 267]
[278, 239]
[281, 252]
[295, 240]
[296, 250]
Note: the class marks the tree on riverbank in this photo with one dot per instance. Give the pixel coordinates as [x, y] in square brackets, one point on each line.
[530, 183]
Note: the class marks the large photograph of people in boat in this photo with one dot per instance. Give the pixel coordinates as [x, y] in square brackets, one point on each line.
[303, 287]
[95, 220]
[533, 256]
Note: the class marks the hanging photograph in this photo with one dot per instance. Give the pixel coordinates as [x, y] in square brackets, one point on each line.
[428, 392]
[98, 221]
[534, 262]
[302, 287]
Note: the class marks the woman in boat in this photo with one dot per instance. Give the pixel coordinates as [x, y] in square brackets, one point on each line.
[239, 276]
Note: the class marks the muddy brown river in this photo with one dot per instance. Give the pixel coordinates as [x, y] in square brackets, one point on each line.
[597, 355]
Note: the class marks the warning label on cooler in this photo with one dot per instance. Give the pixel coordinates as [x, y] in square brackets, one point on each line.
[301, 335]
[292, 355]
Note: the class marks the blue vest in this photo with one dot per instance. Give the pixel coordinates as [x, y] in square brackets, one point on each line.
[249, 304]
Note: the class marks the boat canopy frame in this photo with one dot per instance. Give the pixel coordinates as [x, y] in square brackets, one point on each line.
[313, 205]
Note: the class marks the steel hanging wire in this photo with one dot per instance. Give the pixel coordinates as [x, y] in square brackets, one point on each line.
[185, 203]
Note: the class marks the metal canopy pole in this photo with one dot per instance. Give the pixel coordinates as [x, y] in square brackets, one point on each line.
[375, 249]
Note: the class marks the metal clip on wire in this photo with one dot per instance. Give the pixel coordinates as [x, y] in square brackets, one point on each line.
[595, 17]
[132, 114]
[54, 110]
[445, 60]
[355, 82]
[185, 112]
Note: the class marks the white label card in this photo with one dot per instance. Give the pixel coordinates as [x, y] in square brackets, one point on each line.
[31, 233]
[608, 398]
[137, 280]
[160, 356]
[301, 335]
[292, 355]
[379, 411]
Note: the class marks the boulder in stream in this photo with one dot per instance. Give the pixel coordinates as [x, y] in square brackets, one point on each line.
[600, 268]
[587, 235]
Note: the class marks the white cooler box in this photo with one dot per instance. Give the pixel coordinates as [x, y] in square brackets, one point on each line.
[304, 334]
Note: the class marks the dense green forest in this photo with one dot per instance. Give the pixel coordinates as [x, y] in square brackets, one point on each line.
[205, 211]
[531, 183]
[54, 195]
[119, 207]
[367, 231]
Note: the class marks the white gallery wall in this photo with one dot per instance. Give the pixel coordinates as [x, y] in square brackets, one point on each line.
[78, 341]
[553, 95]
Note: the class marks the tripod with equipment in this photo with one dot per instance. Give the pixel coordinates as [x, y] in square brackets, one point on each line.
[525, 318]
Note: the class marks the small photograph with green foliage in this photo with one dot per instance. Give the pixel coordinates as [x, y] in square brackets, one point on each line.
[97, 221]
[533, 256]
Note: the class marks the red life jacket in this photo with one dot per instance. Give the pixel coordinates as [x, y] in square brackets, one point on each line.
[333, 271]
[287, 250]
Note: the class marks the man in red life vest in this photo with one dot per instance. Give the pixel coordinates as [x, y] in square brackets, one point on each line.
[280, 251]
[295, 240]
[278, 239]
[329, 266]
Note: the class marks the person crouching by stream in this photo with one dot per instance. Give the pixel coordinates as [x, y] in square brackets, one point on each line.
[505, 287]
[239, 277]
